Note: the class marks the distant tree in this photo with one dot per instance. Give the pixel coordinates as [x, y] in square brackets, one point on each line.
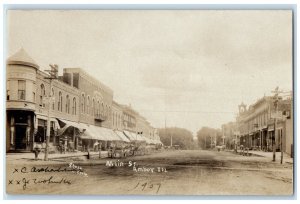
[180, 136]
[209, 137]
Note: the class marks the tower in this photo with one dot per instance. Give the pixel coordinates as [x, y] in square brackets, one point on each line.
[242, 108]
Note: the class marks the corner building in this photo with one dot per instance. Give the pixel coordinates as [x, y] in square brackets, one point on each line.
[80, 108]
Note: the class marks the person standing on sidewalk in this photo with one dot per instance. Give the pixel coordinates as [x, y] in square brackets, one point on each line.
[37, 146]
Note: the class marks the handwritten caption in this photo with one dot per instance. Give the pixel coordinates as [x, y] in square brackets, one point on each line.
[135, 167]
[32, 176]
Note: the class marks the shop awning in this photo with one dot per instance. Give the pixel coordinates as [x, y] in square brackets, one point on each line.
[138, 137]
[148, 140]
[110, 134]
[130, 135]
[92, 132]
[122, 136]
[89, 131]
[65, 124]
[100, 133]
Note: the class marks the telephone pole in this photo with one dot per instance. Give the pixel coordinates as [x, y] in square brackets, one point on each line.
[276, 99]
[53, 75]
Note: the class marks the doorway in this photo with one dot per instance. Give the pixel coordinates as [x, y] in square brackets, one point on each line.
[20, 140]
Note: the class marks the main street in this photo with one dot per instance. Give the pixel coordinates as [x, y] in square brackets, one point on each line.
[175, 172]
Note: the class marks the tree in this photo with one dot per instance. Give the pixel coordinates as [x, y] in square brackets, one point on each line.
[180, 136]
[209, 137]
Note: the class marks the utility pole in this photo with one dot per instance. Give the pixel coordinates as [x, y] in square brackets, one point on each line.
[276, 99]
[276, 92]
[53, 75]
[171, 139]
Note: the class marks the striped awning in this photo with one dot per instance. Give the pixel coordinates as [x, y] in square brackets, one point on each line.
[122, 136]
[89, 131]
[65, 124]
[130, 136]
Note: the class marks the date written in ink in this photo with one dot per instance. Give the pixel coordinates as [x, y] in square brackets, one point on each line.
[147, 186]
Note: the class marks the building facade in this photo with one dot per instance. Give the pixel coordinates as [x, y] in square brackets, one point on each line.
[75, 98]
[95, 99]
[117, 116]
[129, 118]
[256, 124]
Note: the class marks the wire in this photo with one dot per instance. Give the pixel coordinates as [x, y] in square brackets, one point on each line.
[186, 111]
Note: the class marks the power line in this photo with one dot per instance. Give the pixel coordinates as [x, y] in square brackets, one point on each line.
[186, 111]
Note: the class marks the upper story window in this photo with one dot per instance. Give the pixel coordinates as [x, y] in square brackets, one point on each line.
[42, 94]
[82, 103]
[7, 95]
[7, 91]
[106, 110]
[53, 101]
[21, 89]
[74, 106]
[102, 108]
[88, 105]
[59, 105]
[93, 107]
[98, 108]
[113, 119]
[67, 104]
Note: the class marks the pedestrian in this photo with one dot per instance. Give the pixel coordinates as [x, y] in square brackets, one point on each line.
[37, 146]
[96, 146]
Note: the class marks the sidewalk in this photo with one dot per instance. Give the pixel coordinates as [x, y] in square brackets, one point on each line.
[20, 156]
[286, 158]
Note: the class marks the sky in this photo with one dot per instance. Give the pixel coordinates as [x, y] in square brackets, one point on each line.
[187, 68]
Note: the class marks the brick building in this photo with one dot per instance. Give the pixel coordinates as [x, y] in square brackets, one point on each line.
[256, 124]
[80, 108]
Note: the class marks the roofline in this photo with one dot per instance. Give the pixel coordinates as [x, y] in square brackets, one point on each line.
[18, 62]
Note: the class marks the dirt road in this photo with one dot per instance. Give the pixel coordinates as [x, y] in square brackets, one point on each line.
[189, 172]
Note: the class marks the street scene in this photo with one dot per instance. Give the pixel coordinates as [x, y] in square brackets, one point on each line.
[149, 102]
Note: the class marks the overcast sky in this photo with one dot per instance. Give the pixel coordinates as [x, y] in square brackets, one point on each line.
[191, 67]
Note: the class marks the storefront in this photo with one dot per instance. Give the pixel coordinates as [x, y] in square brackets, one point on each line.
[20, 130]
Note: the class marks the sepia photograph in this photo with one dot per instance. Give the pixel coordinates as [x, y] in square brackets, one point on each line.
[149, 102]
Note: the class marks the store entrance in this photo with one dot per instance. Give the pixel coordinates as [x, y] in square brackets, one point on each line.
[20, 137]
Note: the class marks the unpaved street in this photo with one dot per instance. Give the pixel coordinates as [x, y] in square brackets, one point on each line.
[181, 172]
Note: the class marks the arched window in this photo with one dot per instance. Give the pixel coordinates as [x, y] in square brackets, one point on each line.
[102, 109]
[53, 98]
[113, 119]
[93, 107]
[74, 106]
[67, 104]
[42, 94]
[88, 105]
[82, 103]
[98, 107]
[60, 102]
